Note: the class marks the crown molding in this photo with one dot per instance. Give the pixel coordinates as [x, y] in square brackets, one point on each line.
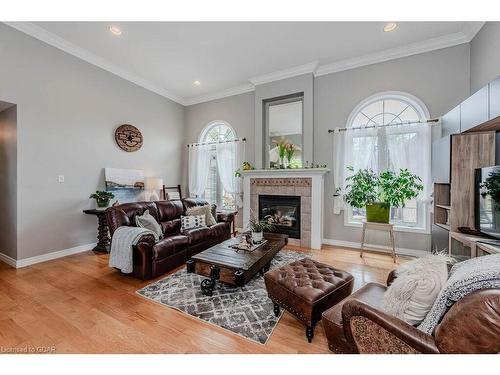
[472, 28]
[283, 74]
[428, 45]
[68, 47]
[220, 94]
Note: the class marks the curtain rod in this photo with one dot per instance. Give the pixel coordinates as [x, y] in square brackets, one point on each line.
[215, 143]
[434, 120]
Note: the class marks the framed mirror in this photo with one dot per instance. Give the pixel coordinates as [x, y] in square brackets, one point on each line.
[283, 130]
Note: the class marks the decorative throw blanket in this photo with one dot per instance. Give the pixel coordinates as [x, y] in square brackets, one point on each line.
[121, 246]
[465, 277]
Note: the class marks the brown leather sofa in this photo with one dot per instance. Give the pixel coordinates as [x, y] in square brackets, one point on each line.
[152, 260]
[358, 325]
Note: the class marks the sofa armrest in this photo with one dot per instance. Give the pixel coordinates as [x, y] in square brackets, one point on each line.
[372, 331]
[225, 217]
[143, 257]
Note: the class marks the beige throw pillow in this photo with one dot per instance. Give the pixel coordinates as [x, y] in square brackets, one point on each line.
[146, 220]
[205, 210]
[412, 294]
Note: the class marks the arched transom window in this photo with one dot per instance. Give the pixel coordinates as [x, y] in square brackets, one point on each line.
[217, 131]
[373, 144]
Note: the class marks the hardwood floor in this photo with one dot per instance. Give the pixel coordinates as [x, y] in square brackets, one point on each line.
[77, 304]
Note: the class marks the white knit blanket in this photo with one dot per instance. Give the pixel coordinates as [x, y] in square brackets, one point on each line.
[124, 238]
[465, 277]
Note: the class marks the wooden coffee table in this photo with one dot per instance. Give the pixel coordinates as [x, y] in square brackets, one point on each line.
[236, 267]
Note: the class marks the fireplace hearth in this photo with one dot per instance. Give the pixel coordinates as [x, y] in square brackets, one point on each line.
[283, 212]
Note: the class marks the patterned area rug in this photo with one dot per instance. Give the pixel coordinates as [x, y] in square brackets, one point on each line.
[246, 311]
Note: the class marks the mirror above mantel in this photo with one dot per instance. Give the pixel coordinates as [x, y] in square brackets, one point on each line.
[283, 124]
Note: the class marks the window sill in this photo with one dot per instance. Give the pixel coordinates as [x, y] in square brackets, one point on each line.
[397, 228]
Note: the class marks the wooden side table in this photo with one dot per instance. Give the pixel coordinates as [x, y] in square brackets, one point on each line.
[382, 227]
[103, 240]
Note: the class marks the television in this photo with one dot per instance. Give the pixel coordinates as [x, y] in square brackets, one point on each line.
[487, 201]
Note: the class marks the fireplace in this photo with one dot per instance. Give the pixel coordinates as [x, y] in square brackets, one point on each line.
[281, 211]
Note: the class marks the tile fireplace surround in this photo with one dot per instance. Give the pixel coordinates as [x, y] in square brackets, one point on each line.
[306, 183]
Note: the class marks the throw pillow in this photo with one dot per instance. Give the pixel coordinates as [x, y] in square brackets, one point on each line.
[146, 220]
[411, 296]
[202, 210]
[192, 222]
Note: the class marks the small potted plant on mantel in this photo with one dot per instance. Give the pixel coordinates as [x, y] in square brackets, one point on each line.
[258, 227]
[102, 198]
[378, 193]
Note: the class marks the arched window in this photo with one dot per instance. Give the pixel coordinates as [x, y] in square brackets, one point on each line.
[372, 145]
[217, 131]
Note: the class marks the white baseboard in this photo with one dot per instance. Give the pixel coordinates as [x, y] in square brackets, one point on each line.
[7, 259]
[45, 257]
[385, 249]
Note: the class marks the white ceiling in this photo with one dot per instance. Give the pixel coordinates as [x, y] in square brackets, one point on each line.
[166, 57]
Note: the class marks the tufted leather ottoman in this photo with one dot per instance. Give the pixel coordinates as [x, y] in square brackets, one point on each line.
[306, 288]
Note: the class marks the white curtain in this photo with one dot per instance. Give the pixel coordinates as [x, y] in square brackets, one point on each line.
[229, 159]
[199, 167]
[352, 148]
[409, 147]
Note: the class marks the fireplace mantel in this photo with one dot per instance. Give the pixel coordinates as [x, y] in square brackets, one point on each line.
[291, 182]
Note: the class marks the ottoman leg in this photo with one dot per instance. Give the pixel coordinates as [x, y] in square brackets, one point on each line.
[309, 333]
[276, 310]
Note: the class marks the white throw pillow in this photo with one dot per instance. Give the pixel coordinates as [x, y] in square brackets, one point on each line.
[192, 222]
[411, 296]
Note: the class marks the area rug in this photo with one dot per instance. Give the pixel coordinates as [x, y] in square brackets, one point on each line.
[246, 311]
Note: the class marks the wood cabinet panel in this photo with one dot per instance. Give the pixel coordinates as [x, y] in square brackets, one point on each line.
[468, 152]
[475, 110]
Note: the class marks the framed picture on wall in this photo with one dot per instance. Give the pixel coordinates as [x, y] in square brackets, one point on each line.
[126, 184]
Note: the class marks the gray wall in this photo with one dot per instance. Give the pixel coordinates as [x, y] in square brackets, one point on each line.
[485, 56]
[236, 110]
[8, 181]
[439, 78]
[303, 83]
[67, 111]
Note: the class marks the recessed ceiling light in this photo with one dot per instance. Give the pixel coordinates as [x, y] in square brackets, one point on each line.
[115, 30]
[196, 83]
[391, 26]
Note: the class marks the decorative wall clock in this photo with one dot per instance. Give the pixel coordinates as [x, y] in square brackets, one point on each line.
[128, 138]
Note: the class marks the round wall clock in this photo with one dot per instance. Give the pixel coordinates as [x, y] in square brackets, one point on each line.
[128, 138]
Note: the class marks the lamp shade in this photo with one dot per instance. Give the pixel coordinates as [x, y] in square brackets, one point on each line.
[153, 183]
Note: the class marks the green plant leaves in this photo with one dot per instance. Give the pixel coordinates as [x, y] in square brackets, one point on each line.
[389, 188]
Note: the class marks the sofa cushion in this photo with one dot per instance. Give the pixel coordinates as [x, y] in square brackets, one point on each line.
[169, 246]
[372, 294]
[169, 214]
[198, 235]
[220, 229]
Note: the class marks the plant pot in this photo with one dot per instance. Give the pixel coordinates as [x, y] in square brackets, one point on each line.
[257, 236]
[102, 204]
[377, 213]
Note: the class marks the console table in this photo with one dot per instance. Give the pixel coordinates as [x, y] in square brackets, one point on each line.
[103, 240]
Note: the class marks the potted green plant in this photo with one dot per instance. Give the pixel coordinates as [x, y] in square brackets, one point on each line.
[378, 193]
[257, 228]
[102, 198]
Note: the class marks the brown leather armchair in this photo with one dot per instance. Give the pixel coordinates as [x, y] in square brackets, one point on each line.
[152, 259]
[358, 325]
